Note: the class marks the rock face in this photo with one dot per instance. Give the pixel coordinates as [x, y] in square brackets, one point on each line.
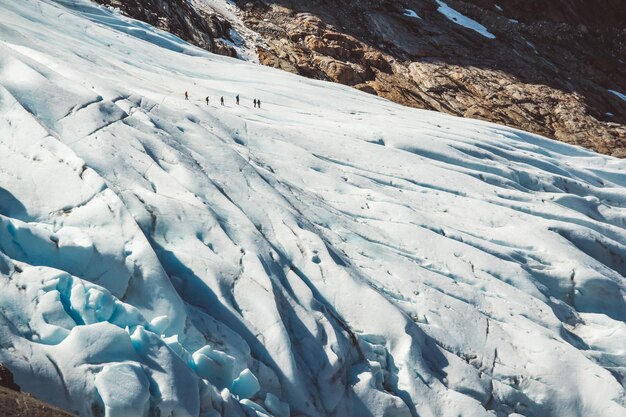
[193, 24]
[6, 379]
[549, 69]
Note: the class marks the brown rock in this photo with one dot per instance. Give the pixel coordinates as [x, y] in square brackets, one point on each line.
[338, 71]
[366, 88]
[377, 60]
[17, 404]
[6, 379]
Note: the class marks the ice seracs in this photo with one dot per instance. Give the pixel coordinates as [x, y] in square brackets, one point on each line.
[245, 385]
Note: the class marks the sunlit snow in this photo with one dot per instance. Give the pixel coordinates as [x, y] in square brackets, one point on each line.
[411, 13]
[329, 254]
[463, 20]
[618, 94]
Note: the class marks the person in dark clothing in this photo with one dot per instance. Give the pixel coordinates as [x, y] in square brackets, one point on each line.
[186, 95]
[254, 101]
[222, 100]
[258, 103]
[207, 100]
[237, 99]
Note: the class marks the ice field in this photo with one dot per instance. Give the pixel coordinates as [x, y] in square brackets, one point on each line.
[331, 254]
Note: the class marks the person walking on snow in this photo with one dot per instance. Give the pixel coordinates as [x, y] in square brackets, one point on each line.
[254, 101]
[237, 99]
[258, 103]
[207, 100]
[186, 95]
[222, 100]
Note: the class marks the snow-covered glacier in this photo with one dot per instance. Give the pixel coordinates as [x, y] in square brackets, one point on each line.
[329, 254]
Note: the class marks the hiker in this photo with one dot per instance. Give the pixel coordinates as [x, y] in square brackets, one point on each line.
[222, 100]
[254, 101]
[258, 103]
[207, 100]
[237, 99]
[186, 95]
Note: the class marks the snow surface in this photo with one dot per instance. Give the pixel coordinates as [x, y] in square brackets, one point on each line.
[411, 13]
[618, 94]
[332, 254]
[463, 20]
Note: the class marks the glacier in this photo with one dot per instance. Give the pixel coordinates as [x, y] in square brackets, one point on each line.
[331, 254]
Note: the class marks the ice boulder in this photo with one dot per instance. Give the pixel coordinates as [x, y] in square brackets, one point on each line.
[124, 389]
[275, 406]
[97, 304]
[215, 366]
[176, 347]
[260, 411]
[246, 385]
[380, 403]
[55, 324]
[159, 324]
[174, 386]
[97, 343]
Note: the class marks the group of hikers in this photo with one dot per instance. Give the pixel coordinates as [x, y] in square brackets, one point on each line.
[256, 101]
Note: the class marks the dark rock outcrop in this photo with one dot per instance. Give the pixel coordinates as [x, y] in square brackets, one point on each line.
[6, 379]
[179, 17]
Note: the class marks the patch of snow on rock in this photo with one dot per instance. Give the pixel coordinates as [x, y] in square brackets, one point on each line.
[463, 20]
[411, 13]
[618, 94]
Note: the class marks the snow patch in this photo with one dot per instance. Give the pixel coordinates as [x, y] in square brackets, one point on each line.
[463, 20]
[618, 94]
[411, 13]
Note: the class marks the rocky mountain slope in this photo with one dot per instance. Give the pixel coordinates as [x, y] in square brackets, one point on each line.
[545, 67]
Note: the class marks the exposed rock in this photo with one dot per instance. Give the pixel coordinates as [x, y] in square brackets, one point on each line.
[182, 19]
[377, 60]
[6, 379]
[341, 72]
